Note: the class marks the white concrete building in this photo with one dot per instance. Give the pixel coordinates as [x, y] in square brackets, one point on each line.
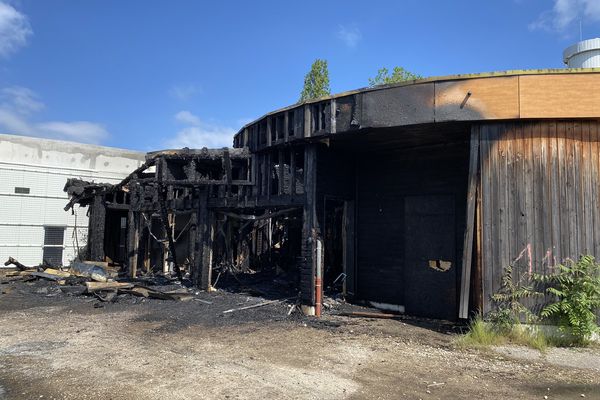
[33, 171]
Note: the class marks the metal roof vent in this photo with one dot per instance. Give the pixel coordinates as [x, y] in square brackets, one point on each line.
[585, 54]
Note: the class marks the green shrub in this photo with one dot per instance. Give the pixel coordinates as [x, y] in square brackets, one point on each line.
[575, 286]
[509, 310]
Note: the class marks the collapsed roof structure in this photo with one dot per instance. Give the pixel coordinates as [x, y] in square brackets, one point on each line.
[413, 197]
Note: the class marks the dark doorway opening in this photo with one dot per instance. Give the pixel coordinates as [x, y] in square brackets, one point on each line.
[115, 236]
[334, 271]
[430, 274]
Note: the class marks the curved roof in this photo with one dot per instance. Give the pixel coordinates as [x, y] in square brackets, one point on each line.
[520, 94]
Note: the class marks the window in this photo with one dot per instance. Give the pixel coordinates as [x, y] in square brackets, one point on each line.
[21, 190]
[54, 237]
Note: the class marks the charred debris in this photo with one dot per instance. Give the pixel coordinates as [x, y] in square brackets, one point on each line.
[194, 217]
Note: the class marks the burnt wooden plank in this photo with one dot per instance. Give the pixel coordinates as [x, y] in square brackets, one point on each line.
[465, 284]
[486, 210]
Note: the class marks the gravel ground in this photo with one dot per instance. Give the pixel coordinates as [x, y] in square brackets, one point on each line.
[57, 346]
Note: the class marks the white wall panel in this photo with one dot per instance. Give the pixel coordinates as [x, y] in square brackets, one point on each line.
[44, 166]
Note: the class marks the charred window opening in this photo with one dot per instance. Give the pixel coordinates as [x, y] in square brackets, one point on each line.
[263, 174]
[290, 123]
[209, 170]
[175, 169]
[315, 114]
[275, 174]
[280, 126]
[298, 182]
[262, 132]
[115, 235]
[287, 173]
[273, 128]
[318, 114]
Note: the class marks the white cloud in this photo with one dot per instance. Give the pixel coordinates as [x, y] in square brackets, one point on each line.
[80, 131]
[187, 118]
[350, 36]
[17, 104]
[197, 133]
[184, 92]
[21, 99]
[565, 13]
[14, 29]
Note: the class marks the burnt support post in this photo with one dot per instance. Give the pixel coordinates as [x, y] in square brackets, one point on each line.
[96, 227]
[133, 242]
[311, 268]
[202, 263]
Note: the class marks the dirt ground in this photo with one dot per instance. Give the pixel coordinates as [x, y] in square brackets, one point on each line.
[58, 346]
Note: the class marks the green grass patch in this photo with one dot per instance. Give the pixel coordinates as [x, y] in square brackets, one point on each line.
[485, 334]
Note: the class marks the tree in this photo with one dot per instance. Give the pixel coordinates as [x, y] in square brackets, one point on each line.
[316, 82]
[399, 74]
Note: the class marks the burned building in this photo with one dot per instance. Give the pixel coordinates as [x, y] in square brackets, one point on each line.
[412, 197]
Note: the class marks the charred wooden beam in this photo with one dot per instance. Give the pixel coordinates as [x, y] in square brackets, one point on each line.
[164, 214]
[202, 260]
[96, 227]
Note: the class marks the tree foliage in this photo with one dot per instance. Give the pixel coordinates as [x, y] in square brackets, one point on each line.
[398, 75]
[316, 81]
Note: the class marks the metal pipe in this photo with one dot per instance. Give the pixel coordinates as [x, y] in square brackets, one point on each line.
[319, 278]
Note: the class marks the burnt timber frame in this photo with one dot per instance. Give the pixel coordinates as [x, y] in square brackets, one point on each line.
[297, 155]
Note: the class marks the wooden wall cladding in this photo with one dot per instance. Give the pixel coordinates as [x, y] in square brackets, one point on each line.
[540, 196]
[477, 99]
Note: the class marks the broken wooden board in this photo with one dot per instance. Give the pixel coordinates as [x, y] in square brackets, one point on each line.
[20, 273]
[264, 303]
[16, 264]
[366, 314]
[94, 272]
[102, 264]
[97, 286]
[45, 275]
[57, 272]
[146, 292]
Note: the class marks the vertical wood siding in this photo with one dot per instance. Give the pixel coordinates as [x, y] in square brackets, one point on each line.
[539, 195]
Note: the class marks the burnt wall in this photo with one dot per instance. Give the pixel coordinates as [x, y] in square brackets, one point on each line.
[335, 175]
[410, 224]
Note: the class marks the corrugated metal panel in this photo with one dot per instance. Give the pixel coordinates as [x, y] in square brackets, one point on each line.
[540, 196]
[23, 216]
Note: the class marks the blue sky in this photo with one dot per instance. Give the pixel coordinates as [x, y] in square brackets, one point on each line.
[150, 74]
